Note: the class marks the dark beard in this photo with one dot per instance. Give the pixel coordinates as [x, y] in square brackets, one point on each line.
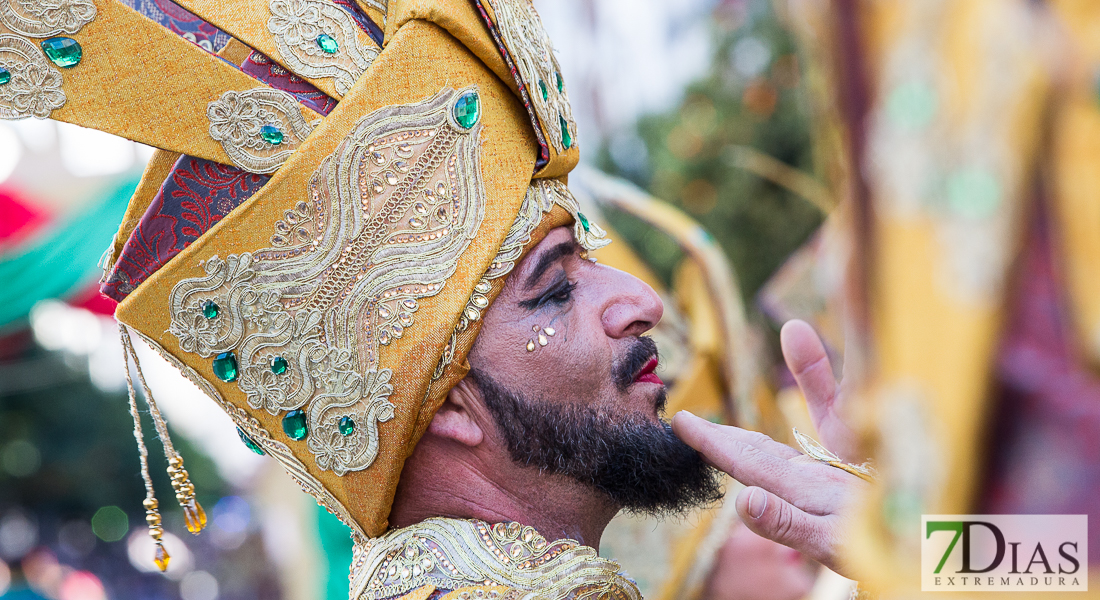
[641, 466]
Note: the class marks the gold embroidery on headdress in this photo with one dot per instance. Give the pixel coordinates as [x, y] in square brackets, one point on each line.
[40, 18]
[533, 56]
[259, 128]
[35, 86]
[392, 210]
[317, 39]
[452, 554]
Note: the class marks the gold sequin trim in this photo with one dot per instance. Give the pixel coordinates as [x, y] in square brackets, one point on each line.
[533, 56]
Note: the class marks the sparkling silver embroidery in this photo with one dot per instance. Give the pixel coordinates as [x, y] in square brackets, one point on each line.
[452, 554]
[237, 120]
[296, 25]
[533, 56]
[390, 213]
[45, 18]
[35, 86]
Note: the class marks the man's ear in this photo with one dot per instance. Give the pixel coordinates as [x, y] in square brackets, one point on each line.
[455, 419]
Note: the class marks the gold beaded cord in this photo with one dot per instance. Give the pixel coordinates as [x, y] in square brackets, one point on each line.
[194, 515]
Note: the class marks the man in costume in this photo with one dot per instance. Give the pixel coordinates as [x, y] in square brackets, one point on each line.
[357, 238]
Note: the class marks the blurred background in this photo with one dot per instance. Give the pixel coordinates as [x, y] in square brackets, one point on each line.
[960, 144]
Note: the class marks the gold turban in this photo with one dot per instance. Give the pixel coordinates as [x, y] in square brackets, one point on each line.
[331, 311]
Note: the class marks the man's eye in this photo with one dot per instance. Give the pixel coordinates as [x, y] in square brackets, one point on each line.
[558, 295]
[563, 294]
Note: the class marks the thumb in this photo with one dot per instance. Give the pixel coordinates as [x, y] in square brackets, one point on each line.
[772, 517]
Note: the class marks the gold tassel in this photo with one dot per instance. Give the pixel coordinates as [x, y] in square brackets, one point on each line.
[152, 515]
[193, 512]
[181, 482]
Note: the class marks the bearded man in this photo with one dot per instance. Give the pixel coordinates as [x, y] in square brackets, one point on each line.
[357, 238]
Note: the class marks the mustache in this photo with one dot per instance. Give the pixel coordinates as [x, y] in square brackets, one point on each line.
[641, 351]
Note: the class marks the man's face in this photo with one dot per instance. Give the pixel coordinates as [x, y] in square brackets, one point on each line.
[587, 403]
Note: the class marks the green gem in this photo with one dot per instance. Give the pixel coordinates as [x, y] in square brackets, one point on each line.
[225, 366]
[327, 43]
[210, 309]
[561, 82]
[566, 137]
[467, 110]
[5, 76]
[294, 424]
[545, 92]
[252, 445]
[347, 426]
[271, 135]
[62, 51]
[584, 221]
[278, 365]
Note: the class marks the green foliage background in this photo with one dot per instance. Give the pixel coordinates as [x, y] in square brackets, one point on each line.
[687, 150]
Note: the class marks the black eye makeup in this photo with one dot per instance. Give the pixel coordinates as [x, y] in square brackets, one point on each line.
[558, 293]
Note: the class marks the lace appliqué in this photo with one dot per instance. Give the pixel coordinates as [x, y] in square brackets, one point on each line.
[298, 25]
[533, 57]
[45, 18]
[35, 86]
[259, 128]
[252, 428]
[453, 554]
[389, 214]
[542, 196]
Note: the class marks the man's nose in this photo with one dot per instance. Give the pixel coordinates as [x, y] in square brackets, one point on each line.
[631, 307]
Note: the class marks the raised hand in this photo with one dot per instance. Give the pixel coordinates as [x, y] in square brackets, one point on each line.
[790, 498]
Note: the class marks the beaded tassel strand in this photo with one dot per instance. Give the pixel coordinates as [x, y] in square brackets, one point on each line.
[152, 515]
[193, 512]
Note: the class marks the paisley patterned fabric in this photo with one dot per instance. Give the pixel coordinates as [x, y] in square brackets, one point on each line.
[269, 72]
[196, 195]
[182, 23]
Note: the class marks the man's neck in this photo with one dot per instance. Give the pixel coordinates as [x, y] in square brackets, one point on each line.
[446, 479]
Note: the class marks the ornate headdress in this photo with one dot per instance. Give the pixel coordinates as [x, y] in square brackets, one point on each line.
[338, 195]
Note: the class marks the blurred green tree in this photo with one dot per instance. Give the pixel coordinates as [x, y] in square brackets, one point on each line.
[749, 97]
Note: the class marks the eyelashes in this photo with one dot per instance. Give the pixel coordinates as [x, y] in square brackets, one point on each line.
[558, 294]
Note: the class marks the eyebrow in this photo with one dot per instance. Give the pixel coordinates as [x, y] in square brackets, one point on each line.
[547, 259]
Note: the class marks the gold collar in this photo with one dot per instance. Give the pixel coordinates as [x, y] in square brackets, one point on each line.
[456, 553]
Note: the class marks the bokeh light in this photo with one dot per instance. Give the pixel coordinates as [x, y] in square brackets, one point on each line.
[199, 585]
[110, 524]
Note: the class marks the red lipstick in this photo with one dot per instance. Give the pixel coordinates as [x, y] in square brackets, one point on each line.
[647, 375]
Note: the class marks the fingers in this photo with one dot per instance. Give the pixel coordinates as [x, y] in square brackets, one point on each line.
[806, 358]
[771, 517]
[701, 426]
[745, 462]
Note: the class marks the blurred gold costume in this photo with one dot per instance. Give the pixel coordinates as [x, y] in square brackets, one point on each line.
[960, 138]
